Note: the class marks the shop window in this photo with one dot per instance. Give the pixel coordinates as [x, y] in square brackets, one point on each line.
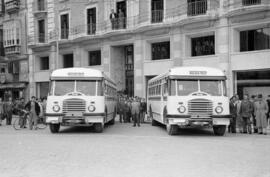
[203, 46]
[68, 61]
[161, 50]
[44, 63]
[94, 58]
[258, 39]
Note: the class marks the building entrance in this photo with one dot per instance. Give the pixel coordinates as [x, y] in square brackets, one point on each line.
[122, 68]
[253, 83]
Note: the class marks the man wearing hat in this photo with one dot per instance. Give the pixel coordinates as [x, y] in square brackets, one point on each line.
[261, 109]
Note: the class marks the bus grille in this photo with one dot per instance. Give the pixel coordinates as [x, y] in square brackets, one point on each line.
[74, 105]
[200, 107]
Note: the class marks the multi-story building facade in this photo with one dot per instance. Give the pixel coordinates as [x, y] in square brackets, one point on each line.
[149, 37]
[13, 49]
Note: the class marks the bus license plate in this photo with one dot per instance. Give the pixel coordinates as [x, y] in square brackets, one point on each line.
[76, 114]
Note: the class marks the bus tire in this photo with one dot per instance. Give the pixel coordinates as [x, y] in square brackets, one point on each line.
[98, 127]
[54, 128]
[172, 129]
[219, 130]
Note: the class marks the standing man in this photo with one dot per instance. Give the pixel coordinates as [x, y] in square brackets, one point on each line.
[120, 109]
[268, 114]
[22, 117]
[1, 111]
[34, 109]
[113, 18]
[239, 120]
[233, 112]
[261, 109]
[246, 112]
[135, 111]
[8, 109]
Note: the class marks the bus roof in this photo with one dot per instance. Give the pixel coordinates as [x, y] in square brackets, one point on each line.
[191, 72]
[78, 74]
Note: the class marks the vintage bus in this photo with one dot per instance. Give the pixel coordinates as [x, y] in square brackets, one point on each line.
[189, 97]
[80, 97]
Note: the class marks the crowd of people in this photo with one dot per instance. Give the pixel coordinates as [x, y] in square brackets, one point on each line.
[249, 115]
[131, 109]
[36, 108]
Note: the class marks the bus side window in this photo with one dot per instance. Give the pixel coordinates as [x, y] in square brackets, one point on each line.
[172, 90]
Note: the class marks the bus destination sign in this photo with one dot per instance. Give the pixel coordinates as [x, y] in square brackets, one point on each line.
[198, 72]
[76, 74]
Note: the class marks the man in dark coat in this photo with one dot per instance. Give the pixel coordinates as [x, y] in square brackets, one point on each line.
[246, 109]
[113, 18]
[33, 107]
[233, 112]
[8, 109]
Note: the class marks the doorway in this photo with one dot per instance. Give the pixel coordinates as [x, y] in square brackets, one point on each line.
[121, 10]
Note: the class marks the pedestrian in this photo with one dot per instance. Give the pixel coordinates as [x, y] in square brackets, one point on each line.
[245, 112]
[33, 107]
[113, 18]
[121, 19]
[135, 111]
[21, 113]
[121, 110]
[8, 109]
[253, 119]
[1, 111]
[268, 114]
[261, 109]
[44, 105]
[239, 120]
[233, 112]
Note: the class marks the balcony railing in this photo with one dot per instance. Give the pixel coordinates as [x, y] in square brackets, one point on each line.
[250, 2]
[130, 23]
[197, 8]
[12, 6]
[41, 5]
[16, 49]
[157, 16]
[41, 38]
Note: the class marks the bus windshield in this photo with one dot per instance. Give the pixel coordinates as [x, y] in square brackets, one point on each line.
[211, 87]
[63, 87]
[86, 87]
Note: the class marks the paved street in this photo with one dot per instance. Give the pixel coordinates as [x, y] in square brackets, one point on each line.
[125, 151]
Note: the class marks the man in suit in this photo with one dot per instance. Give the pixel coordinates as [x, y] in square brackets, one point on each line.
[135, 111]
[33, 107]
[233, 112]
[8, 109]
[113, 18]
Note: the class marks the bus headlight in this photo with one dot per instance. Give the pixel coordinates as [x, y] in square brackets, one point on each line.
[56, 108]
[182, 109]
[219, 109]
[91, 108]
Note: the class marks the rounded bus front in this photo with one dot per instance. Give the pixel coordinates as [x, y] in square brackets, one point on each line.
[189, 97]
[80, 100]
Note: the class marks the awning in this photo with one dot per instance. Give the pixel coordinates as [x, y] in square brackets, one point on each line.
[12, 85]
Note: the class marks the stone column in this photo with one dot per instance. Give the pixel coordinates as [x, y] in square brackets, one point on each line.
[139, 83]
[177, 47]
[32, 84]
[106, 54]
[77, 57]
[222, 50]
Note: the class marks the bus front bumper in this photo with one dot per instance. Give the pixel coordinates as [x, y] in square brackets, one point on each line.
[82, 119]
[187, 120]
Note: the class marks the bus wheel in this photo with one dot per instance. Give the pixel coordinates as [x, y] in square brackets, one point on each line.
[54, 128]
[219, 130]
[172, 129]
[98, 127]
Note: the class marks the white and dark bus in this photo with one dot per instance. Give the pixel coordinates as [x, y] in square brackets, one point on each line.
[80, 97]
[189, 97]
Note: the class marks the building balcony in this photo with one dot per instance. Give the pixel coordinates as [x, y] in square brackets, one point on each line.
[197, 8]
[12, 50]
[12, 6]
[157, 16]
[241, 7]
[40, 8]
